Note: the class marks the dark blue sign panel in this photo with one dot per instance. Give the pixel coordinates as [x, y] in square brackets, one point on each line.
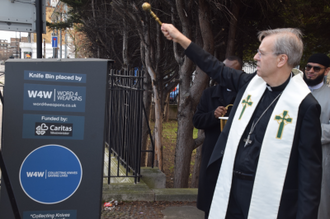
[54, 98]
[54, 41]
[59, 214]
[54, 76]
[50, 174]
[53, 126]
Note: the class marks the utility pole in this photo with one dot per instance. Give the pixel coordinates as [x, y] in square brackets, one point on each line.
[66, 36]
[44, 48]
[39, 27]
[53, 34]
[19, 48]
[60, 43]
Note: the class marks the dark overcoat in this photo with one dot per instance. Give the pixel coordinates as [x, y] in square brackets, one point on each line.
[301, 191]
[204, 119]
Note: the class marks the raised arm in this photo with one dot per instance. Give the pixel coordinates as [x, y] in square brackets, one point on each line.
[171, 33]
[226, 77]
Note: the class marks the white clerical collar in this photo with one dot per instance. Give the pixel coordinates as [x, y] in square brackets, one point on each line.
[269, 87]
[284, 84]
[318, 86]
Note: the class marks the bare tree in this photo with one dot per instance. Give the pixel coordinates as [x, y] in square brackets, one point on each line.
[232, 29]
[79, 43]
[155, 58]
[189, 94]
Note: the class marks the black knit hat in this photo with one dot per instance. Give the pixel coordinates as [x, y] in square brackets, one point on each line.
[321, 59]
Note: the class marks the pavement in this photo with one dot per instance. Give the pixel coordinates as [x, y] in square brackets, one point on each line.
[153, 211]
[182, 212]
[142, 200]
[151, 189]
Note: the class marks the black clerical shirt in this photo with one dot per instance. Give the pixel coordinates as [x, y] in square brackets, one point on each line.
[247, 157]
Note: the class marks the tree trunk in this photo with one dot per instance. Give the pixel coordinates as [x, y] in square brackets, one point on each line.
[158, 128]
[197, 165]
[189, 98]
[145, 119]
[150, 63]
[232, 30]
[198, 158]
[167, 108]
[183, 147]
[125, 46]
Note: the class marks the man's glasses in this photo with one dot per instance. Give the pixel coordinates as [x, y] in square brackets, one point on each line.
[316, 68]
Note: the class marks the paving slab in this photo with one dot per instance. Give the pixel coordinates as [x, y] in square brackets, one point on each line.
[127, 192]
[174, 194]
[183, 212]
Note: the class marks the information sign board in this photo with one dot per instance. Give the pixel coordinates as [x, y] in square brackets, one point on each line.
[53, 123]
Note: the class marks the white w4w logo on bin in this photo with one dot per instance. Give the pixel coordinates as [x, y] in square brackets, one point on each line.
[40, 94]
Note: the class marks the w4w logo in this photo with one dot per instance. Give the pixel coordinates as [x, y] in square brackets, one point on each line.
[40, 94]
[35, 174]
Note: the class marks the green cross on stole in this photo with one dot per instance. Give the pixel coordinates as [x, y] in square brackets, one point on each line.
[282, 121]
[245, 102]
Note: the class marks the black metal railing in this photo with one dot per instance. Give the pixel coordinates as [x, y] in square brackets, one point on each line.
[124, 130]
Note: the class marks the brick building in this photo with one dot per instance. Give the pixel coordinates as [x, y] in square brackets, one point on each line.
[15, 46]
[6, 50]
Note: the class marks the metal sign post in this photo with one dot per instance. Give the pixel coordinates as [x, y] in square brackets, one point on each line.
[54, 44]
[39, 6]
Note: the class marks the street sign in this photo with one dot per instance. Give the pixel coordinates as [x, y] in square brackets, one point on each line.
[54, 41]
[21, 16]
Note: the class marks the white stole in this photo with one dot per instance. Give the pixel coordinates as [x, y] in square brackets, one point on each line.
[274, 154]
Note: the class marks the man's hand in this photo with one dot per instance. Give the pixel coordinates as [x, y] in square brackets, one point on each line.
[171, 33]
[220, 111]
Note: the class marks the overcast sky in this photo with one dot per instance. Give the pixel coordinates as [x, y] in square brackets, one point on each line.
[6, 35]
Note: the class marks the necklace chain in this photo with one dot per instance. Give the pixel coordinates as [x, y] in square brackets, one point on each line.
[248, 141]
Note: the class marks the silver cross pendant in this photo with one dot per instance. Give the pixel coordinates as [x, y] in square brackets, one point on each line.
[247, 140]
